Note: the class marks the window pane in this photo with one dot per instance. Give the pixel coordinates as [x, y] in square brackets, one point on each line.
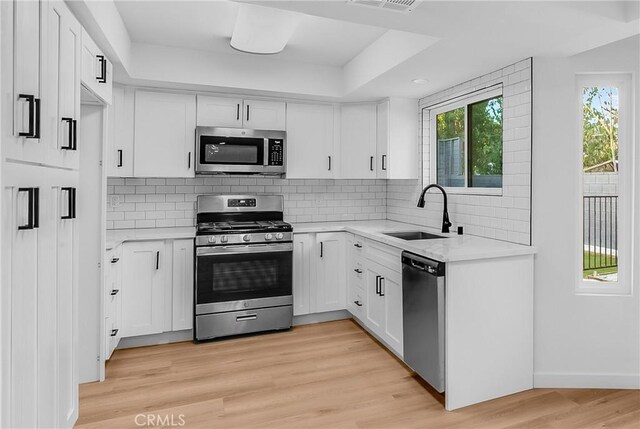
[600, 193]
[485, 154]
[450, 148]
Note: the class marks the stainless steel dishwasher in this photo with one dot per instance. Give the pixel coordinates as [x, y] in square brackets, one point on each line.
[423, 317]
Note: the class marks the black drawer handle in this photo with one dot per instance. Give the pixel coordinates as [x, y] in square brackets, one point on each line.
[358, 303]
[114, 260]
[357, 270]
[33, 214]
[377, 285]
[384, 162]
[381, 286]
[69, 145]
[119, 158]
[247, 113]
[329, 163]
[358, 245]
[114, 292]
[157, 259]
[114, 332]
[371, 163]
[103, 69]
[238, 112]
[71, 205]
[34, 117]
[321, 249]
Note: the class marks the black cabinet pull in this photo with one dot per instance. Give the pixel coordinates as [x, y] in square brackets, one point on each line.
[357, 270]
[371, 163]
[189, 161]
[69, 145]
[238, 112]
[157, 259]
[74, 128]
[33, 213]
[114, 292]
[71, 207]
[384, 162]
[381, 286]
[358, 245]
[321, 249]
[329, 163]
[114, 332]
[114, 260]
[247, 112]
[358, 303]
[103, 69]
[119, 158]
[34, 117]
[377, 285]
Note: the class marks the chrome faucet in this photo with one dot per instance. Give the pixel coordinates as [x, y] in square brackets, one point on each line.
[445, 214]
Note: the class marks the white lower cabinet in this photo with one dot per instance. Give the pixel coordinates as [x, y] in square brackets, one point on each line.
[375, 289]
[143, 288]
[318, 276]
[113, 299]
[182, 285]
[39, 278]
[302, 273]
[149, 289]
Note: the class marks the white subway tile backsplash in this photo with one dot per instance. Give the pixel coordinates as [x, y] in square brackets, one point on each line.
[156, 203]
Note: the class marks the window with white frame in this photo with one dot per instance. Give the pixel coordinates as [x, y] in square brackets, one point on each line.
[465, 141]
[605, 164]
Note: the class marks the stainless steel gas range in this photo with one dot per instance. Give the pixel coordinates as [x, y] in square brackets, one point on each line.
[244, 255]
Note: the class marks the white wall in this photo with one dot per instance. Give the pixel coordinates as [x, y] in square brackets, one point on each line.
[580, 340]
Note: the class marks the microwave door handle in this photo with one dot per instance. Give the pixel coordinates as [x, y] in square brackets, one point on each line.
[265, 160]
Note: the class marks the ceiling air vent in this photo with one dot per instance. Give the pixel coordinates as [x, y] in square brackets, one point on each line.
[394, 5]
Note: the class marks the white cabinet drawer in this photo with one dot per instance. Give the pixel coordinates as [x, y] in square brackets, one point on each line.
[382, 254]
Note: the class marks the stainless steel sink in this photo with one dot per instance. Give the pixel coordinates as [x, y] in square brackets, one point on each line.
[413, 235]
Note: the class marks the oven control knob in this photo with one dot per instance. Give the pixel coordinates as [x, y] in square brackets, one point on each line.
[279, 236]
[268, 236]
[246, 237]
[223, 239]
[212, 239]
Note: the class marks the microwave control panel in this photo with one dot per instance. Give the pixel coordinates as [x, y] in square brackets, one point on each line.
[276, 152]
[245, 202]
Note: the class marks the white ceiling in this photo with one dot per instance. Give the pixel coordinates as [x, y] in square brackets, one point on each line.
[208, 25]
[465, 38]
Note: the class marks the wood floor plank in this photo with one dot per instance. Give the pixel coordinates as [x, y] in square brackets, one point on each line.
[328, 375]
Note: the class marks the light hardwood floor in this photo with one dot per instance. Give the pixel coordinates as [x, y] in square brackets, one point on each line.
[329, 375]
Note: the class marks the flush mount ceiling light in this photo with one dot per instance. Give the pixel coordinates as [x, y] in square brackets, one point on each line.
[263, 30]
[420, 81]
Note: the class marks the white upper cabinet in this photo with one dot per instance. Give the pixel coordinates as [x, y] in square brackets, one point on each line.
[164, 134]
[239, 113]
[62, 90]
[358, 141]
[97, 70]
[310, 141]
[397, 139]
[120, 133]
[264, 115]
[219, 112]
[27, 62]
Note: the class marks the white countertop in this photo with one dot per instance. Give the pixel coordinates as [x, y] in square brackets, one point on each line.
[453, 248]
[119, 236]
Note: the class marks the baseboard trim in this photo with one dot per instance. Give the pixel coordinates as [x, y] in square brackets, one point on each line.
[585, 380]
[307, 319]
[155, 339]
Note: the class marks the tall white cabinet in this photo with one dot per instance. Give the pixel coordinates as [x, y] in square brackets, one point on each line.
[40, 96]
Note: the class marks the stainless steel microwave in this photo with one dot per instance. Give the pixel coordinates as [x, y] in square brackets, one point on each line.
[240, 151]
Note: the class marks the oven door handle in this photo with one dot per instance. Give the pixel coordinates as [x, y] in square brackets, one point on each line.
[238, 250]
